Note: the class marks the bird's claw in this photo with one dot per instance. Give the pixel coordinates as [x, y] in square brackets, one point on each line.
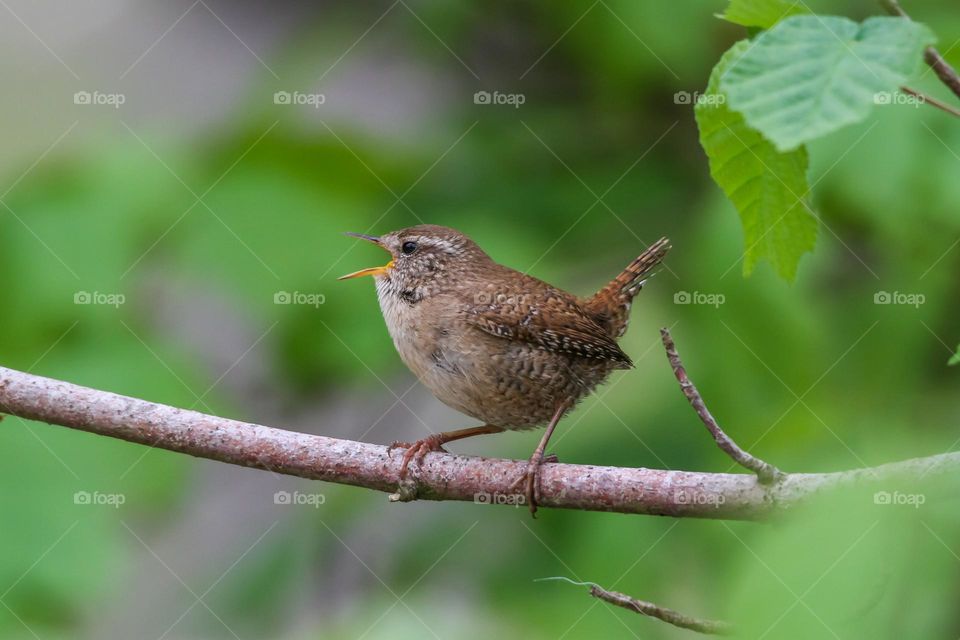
[398, 444]
[416, 450]
[531, 478]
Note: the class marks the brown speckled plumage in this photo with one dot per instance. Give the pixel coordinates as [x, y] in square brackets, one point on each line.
[499, 345]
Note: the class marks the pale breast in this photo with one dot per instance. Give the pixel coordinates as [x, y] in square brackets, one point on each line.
[502, 382]
[426, 338]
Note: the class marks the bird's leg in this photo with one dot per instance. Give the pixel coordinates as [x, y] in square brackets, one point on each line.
[532, 474]
[435, 442]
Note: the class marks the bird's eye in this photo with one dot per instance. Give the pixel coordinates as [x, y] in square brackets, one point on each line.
[408, 247]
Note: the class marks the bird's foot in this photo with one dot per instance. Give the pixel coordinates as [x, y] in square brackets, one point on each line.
[417, 450]
[531, 478]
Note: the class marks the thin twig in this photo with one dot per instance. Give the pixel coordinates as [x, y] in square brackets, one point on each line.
[765, 471]
[933, 102]
[947, 74]
[677, 619]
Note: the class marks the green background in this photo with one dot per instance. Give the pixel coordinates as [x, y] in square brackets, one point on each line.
[199, 199]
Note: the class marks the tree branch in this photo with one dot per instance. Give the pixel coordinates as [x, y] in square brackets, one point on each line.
[947, 74]
[677, 619]
[442, 476]
[765, 471]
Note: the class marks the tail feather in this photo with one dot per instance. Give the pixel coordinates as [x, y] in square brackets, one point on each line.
[610, 306]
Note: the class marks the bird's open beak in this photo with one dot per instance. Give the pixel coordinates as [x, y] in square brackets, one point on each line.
[373, 271]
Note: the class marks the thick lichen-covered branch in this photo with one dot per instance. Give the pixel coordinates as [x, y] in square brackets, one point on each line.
[442, 476]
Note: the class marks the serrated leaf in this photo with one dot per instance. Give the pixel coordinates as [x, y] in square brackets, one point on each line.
[762, 13]
[810, 75]
[955, 359]
[767, 187]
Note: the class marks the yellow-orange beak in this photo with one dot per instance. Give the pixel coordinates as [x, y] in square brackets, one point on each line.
[372, 271]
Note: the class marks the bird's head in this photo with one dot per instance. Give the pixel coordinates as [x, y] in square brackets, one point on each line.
[422, 260]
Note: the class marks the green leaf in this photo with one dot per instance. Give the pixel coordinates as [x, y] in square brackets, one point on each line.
[761, 13]
[955, 359]
[811, 75]
[767, 187]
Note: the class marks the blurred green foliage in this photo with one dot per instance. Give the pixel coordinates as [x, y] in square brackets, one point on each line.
[769, 188]
[816, 375]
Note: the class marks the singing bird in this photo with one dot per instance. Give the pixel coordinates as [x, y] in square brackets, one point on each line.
[496, 344]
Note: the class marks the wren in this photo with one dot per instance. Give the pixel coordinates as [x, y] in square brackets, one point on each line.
[496, 344]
